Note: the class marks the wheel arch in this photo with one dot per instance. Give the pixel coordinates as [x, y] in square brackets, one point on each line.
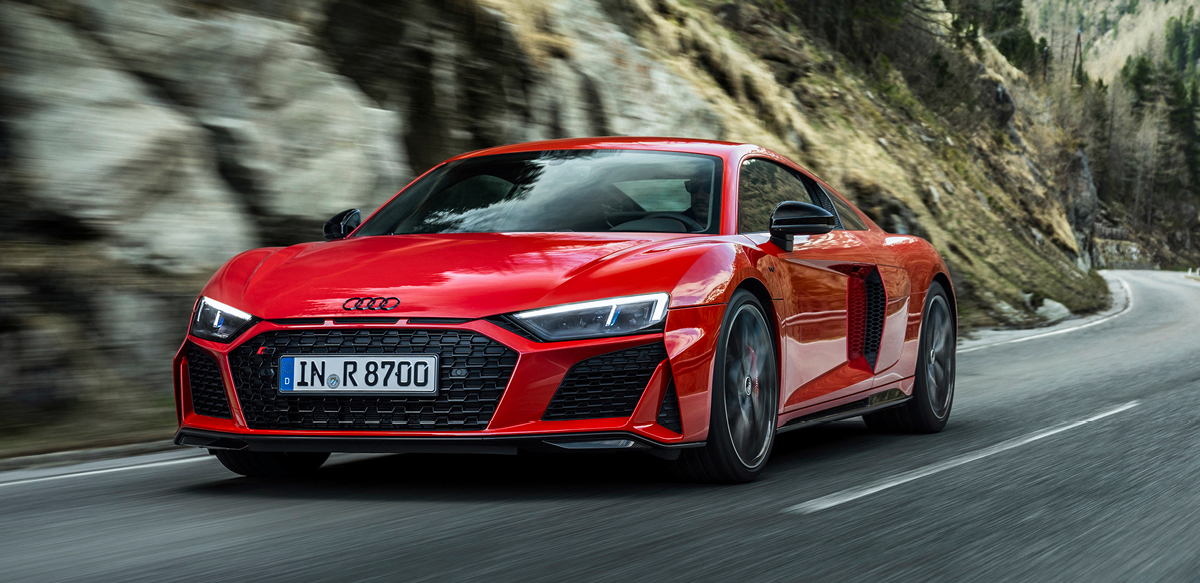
[759, 289]
[943, 279]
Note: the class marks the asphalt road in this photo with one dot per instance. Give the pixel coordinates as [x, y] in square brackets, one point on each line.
[1017, 487]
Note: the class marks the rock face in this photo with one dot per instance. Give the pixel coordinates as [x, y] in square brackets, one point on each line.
[95, 146]
[461, 80]
[294, 139]
[1082, 204]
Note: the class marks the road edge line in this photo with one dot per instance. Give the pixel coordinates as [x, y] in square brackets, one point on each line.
[1128, 306]
[103, 471]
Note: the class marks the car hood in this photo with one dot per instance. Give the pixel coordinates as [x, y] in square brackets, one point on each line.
[462, 275]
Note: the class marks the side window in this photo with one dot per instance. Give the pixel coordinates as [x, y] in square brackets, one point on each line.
[822, 199]
[850, 219]
[762, 185]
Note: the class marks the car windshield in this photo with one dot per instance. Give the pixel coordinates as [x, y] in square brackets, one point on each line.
[560, 191]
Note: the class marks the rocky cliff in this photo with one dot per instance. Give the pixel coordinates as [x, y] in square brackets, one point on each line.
[143, 142]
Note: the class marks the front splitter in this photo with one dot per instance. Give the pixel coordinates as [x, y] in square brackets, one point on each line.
[491, 444]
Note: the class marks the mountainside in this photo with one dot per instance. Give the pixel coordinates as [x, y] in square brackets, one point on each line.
[1113, 30]
[144, 142]
[1134, 105]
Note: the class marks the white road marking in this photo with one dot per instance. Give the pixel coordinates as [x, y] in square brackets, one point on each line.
[1128, 305]
[104, 471]
[851, 494]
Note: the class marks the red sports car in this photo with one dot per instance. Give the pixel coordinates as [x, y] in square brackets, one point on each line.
[691, 299]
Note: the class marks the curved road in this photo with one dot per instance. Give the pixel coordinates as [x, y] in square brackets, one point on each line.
[1072, 456]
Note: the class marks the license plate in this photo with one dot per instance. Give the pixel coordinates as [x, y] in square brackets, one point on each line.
[403, 374]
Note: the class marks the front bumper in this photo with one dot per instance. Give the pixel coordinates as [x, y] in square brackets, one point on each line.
[519, 419]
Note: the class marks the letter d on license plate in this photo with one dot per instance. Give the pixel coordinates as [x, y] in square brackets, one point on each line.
[397, 374]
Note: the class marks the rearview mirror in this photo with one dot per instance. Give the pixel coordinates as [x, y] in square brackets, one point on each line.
[798, 218]
[342, 224]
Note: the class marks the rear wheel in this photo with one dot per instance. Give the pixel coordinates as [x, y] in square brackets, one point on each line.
[745, 393]
[933, 391]
[262, 464]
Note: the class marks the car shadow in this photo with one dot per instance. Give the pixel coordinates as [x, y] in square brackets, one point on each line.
[528, 477]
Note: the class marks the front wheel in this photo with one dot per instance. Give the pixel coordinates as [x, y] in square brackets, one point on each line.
[933, 390]
[261, 464]
[745, 397]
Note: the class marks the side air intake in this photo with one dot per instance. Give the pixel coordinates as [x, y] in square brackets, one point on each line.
[207, 388]
[876, 312]
[866, 309]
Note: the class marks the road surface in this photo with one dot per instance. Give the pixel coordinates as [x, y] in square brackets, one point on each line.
[1070, 456]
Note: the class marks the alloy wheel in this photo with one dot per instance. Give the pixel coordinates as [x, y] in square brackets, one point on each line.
[939, 364]
[750, 386]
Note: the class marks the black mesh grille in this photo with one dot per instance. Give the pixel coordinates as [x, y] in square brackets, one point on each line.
[668, 411]
[208, 390]
[462, 403]
[876, 312]
[608, 385]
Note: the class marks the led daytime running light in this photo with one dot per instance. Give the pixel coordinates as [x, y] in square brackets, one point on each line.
[660, 305]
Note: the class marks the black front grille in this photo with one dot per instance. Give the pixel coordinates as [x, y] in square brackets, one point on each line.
[207, 388]
[462, 403]
[608, 385]
[876, 313]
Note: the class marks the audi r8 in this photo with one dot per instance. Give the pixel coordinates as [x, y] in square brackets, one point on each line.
[689, 299]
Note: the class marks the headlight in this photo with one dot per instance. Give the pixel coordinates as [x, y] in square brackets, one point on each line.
[612, 317]
[213, 320]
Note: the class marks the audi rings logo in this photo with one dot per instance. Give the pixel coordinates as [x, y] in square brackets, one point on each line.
[373, 304]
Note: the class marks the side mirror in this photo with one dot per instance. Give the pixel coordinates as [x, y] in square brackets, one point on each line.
[798, 218]
[342, 224]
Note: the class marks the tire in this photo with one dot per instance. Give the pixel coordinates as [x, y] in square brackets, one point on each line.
[933, 391]
[256, 464]
[745, 397]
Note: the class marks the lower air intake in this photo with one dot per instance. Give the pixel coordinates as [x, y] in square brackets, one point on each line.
[609, 385]
[207, 388]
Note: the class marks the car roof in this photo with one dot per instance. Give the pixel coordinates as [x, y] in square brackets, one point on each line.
[690, 145]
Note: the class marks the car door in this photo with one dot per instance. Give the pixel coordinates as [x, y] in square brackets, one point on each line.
[822, 272]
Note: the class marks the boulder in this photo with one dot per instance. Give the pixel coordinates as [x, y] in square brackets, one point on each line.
[995, 97]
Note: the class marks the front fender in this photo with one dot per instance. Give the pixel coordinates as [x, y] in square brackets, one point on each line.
[228, 284]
